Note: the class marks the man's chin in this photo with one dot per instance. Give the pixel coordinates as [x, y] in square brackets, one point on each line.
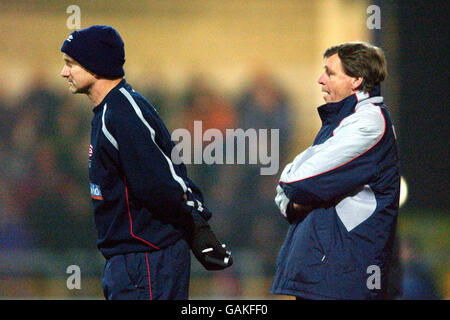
[329, 99]
[75, 90]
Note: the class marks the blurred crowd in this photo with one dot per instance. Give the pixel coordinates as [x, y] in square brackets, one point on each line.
[45, 202]
[44, 151]
[43, 176]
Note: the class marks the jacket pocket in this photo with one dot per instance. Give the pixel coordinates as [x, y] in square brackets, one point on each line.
[307, 267]
[136, 269]
[341, 260]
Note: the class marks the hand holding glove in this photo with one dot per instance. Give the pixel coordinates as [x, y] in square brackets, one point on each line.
[212, 254]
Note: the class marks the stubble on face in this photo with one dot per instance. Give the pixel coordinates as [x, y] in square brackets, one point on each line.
[78, 78]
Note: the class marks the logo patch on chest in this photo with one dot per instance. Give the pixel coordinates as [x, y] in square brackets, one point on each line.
[96, 192]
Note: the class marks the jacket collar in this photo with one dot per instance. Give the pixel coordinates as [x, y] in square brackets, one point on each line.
[330, 112]
[121, 84]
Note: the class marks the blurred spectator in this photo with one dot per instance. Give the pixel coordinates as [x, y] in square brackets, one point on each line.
[45, 199]
[226, 285]
[71, 142]
[268, 227]
[202, 103]
[264, 105]
[20, 139]
[7, 120]
[261, 105]
[14, 233]
[46, 206]
[394, 275]
[43, 102]
[417, 283]
[155, 91]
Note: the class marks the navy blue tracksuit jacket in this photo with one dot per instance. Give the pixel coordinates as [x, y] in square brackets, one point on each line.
[136, 189]
[351, 174]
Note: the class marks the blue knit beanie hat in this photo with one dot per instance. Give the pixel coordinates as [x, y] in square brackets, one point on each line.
[99, 49]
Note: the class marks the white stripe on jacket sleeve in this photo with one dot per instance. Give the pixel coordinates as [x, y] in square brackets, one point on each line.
[152, 133]
[354, 136]
[105, 131]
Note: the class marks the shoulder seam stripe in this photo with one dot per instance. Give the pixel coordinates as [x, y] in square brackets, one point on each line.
[152, 133]
[105, 131]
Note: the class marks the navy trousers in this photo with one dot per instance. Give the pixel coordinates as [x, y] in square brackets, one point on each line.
[162, 274]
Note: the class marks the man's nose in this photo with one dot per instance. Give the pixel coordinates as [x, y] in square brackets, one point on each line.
[65, 72]
[321, 79]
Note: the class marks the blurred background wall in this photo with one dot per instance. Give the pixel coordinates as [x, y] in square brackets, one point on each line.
[229, 64]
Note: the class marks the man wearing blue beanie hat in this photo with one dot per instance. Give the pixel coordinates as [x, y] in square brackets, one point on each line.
[99, 49]
[148, 213]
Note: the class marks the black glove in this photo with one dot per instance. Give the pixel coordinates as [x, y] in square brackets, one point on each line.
[212, 254]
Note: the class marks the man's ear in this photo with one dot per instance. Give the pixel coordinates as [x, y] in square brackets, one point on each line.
[356, 82]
